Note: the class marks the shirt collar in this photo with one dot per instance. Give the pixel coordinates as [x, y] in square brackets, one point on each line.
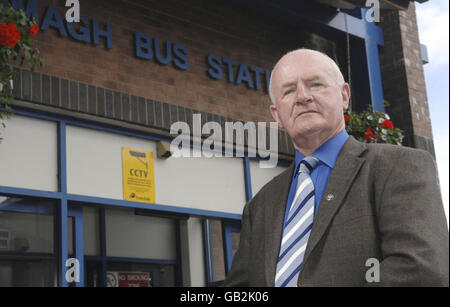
[328, 152]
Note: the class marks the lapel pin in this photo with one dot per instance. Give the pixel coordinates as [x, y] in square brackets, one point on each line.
[330, 197]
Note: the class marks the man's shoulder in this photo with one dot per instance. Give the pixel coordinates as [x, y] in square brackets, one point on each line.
[387, 152]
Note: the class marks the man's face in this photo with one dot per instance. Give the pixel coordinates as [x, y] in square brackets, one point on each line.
[308, 100]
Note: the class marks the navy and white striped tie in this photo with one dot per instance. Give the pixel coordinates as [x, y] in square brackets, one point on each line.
[297, 227]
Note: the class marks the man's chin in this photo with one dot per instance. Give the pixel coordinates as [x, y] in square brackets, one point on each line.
[306, 130]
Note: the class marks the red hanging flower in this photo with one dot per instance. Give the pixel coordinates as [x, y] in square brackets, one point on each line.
[346, 118]
[387, 124]
[34, 30]
[9, 34]
[369, 135]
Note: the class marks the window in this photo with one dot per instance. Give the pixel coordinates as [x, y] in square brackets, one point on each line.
[27, 237]
[135, 250]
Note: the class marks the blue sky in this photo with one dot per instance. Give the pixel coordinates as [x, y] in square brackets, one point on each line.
[433, 23]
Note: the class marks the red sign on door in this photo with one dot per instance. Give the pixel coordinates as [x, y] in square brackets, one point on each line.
[128, 279]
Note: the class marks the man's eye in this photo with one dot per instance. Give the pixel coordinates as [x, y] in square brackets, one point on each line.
[288, 92]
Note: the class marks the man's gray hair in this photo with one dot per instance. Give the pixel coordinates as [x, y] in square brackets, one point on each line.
[338, 74]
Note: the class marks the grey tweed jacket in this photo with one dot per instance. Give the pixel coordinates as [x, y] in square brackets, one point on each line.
[381, 202]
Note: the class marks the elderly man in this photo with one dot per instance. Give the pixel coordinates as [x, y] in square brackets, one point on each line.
[345, 213]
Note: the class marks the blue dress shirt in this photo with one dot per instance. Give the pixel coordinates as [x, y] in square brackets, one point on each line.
[327, 155]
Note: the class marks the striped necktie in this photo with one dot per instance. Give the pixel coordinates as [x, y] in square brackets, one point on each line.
[297, 227]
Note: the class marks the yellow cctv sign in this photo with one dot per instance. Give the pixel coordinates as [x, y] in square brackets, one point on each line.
[138, 175]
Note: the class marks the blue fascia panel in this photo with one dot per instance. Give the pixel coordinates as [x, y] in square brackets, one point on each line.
[21, 192]
[374, 38]
[308, 14]
[107, 202]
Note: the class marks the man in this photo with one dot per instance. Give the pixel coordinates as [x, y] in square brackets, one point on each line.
[345, 213]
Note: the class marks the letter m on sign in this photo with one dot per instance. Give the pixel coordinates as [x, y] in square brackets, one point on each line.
[31, 10]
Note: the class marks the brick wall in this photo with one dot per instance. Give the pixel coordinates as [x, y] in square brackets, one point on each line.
[403, 77]
[116, 84]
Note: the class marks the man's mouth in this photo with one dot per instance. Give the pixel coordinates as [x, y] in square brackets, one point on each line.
[305, 112]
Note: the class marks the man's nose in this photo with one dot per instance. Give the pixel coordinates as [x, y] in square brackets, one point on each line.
[303, 96]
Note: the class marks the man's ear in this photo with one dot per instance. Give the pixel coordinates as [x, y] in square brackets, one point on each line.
[346, 94]
[274, 111]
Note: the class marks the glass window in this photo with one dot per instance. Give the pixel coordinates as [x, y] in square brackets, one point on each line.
[26, 225]
[27, 273]
[91, 231]
[138, 236]
[27, 242]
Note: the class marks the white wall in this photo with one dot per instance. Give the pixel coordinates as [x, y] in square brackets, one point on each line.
[94, 168]
[29, 155]
[261, 176]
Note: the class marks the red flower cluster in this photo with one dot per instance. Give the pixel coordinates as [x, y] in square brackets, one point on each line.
[346, 118]
[387, 124]
[9, 34]
[369, 135]
[34, 30]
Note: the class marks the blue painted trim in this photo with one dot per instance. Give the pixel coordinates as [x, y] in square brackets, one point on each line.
[34, 114]
[62, 164]
[11, 191]
[63, 210]
[316, 17]
[62, 242]
[374, 38]
[228, 227]
[164, 208]
[131, 260]
[77, 213]
[24, 207]
[248, 180]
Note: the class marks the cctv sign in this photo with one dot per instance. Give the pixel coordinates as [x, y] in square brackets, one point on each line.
[138, 175]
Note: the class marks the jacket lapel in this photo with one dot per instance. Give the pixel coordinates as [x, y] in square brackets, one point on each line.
[341, 178]
[274, 219]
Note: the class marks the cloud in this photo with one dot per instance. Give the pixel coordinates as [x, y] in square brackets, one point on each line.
[433, 23]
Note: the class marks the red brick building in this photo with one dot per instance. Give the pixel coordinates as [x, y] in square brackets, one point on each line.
[121, 77]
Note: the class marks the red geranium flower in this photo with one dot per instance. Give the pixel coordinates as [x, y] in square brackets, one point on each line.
[34, 30]
[346, 118]
[387, 124]
[369, 135]
[9, 34]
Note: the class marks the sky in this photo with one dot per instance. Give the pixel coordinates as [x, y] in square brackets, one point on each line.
[432, 20]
